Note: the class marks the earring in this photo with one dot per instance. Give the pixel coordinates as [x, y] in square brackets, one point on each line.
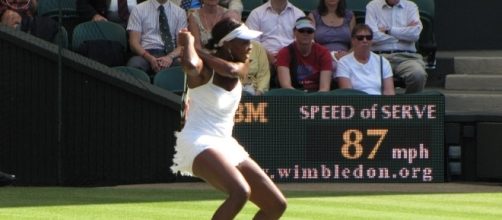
[231, 56]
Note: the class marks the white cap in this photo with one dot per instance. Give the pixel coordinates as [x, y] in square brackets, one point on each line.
[304, 23]
[242, 32]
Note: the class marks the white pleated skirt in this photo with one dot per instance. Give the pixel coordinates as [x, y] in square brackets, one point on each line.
[188, 146]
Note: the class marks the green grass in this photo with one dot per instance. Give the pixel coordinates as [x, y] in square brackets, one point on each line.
[144, 203]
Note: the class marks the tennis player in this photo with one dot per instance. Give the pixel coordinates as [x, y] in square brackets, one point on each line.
[205, 147]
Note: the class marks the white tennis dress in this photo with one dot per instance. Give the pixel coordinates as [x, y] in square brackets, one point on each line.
[209, 125]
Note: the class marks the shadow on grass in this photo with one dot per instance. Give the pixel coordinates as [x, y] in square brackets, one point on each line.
[57, 196]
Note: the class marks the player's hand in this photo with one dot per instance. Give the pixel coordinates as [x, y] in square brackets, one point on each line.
[185, 38]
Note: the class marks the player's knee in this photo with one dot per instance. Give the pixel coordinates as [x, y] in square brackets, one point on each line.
[240, 192]
[280, 207]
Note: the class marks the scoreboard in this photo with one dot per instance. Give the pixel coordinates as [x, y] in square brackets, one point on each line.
[344, 138]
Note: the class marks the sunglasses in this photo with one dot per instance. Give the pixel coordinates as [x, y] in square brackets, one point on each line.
[306, 30]
[361, 37]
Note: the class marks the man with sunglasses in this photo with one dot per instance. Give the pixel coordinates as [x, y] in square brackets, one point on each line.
[304, 64]
[397, 26]
[362, 69]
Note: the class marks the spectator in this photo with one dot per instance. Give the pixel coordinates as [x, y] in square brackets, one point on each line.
[334, 24]
[11, 18]
[276, 19]
[258, 78]
[304, 64]
[362, 69]
[202, 21]
[23, 7]
[153, 27]
[234, 7]
[397, 26]
[38, 26]
[106, 10]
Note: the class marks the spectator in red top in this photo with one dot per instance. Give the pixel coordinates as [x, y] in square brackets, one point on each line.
[310, 67]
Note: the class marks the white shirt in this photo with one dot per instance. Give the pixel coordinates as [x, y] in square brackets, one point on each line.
[144, 18]
[397, 18]
[364, 76]
[277, 28]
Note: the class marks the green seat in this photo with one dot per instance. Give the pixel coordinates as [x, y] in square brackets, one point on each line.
[171, 79]
[98, 30]
[134, 72]
[359, 9]
[427, 45]
[61, 38]
[50, 8]
[248, 6]
[347, 92]
[306, 5]
[285, 92]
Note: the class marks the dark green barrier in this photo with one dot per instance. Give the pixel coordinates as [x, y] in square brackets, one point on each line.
[345, 138]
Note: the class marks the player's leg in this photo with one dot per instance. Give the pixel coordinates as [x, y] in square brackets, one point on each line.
[211, 166]
[264, 193]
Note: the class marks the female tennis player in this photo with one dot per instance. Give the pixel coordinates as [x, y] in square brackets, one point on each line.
[205, 147]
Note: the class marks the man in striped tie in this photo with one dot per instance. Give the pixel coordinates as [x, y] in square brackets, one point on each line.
[153, 27]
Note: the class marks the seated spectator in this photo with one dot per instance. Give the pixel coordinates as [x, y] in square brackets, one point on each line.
[23, 7]
[333, 23]
[38, 26]
[106, 10]
[234, 7]
[276, 19]
[153, 27]
[304, 64]
[202, 21]
[11, 18]
[397, 26]
[258, 77]
[362, 69]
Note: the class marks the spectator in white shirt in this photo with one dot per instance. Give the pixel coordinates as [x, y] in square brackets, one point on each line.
[362, 69]
[276, 19]
[396, 26]
[145, 38]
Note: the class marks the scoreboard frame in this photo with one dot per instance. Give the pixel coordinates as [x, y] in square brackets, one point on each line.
[345, 138]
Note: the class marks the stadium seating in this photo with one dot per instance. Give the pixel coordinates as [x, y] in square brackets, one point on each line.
[171, 79]
[136, 73]
[306, 5]
[359, 9]
[61, 37]
[336, 92]
[248, 6]
[427, 45]
[285, 92]
[50, 8]
[100, 30]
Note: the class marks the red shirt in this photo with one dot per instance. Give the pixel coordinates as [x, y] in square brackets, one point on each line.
[308, 67]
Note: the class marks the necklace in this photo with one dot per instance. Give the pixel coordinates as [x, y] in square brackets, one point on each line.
[210, 19]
